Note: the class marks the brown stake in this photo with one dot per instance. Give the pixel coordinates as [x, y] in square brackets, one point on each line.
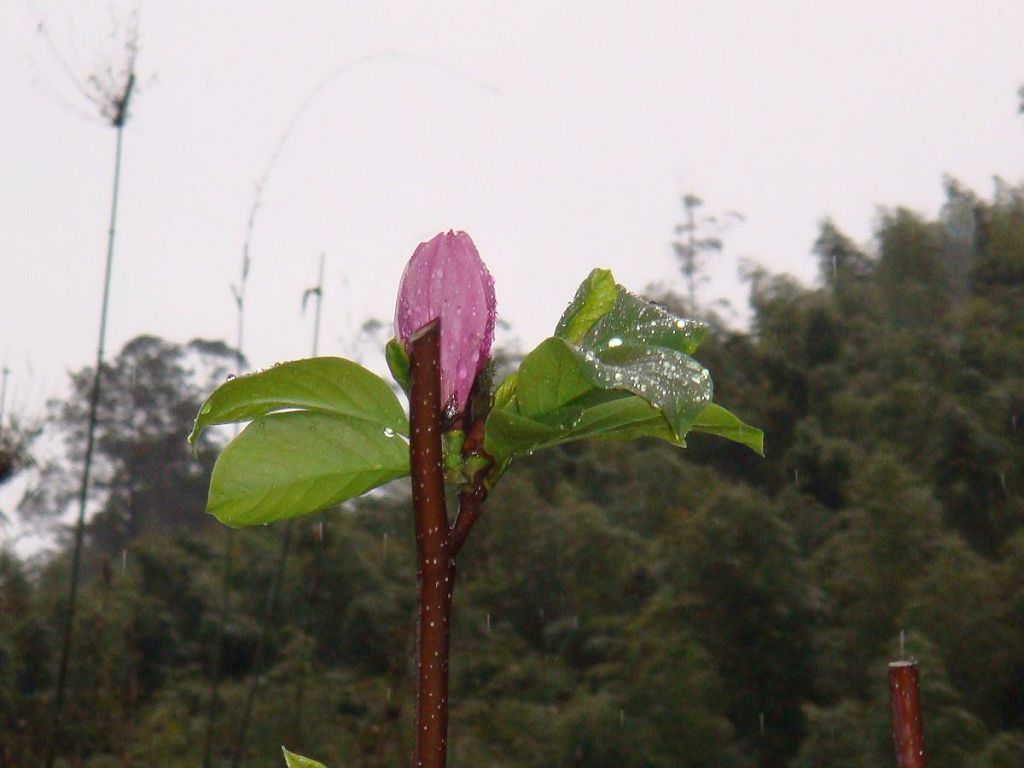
[435, 573]
[907, 726]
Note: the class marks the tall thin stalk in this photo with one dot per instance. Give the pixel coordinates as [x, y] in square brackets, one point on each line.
[279, 570]
[118, 119]
[435, 572]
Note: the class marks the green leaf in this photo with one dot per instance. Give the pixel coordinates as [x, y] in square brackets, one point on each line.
[635, 320]
[617, 415]
[549, 377]
[398, 363]
[600, 414]
[671, 381]
[298, 761]
[288, 464]
[555, 374]
[324, 384]
[619, 367]
[643, 348]
[506, 390]
[508, 434]
[594, 298]
[716, 420]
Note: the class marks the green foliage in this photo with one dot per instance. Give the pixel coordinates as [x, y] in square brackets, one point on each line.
[736, 551]
[398, 363]
[323, 430]
[593, 300]
[849, 734]
[326, 430]
[328, 385]
[1003, 750]
[146, 479]
[638, 347]
[294, 463]
[619, 604]
[297, 761]
[619, 367]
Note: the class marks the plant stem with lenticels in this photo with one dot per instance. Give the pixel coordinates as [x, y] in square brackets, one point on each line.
[435, 573]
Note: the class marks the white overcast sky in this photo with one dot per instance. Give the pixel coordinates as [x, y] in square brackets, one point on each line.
[559, 135]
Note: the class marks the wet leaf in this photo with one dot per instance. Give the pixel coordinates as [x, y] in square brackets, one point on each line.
[643, 348]
[635, 320]
[284, 465]
[619, 367]
[604, 415]
[594, 298]
[671, 381]
[612, 414]
[323, 384]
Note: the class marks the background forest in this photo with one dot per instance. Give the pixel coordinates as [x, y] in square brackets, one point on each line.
[622, 606]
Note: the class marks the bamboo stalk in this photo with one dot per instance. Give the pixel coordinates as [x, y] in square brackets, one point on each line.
[90, 441]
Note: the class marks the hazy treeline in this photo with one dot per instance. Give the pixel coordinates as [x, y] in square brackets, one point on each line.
[620, 606]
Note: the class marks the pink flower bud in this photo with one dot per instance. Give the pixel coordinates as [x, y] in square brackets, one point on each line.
[446, 279]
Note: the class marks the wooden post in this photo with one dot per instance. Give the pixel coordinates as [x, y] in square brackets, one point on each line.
[907, 725]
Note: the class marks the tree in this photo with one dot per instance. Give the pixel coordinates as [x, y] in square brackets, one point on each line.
[701, 235]
[734, 572]
[146, 479]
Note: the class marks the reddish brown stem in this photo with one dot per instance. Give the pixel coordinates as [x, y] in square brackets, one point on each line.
[472, 497]
[907, 726]
[435, 573]
[470, 501]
